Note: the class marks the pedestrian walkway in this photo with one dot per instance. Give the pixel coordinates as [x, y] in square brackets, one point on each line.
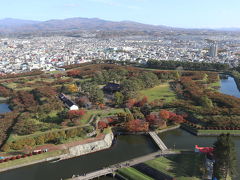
[158, 141]
[113, 168]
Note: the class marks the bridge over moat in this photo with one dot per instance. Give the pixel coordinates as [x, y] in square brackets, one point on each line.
[158, 141]
[112, 169]
[132, 162]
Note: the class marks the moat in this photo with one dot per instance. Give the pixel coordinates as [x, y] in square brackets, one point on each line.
[125, 147]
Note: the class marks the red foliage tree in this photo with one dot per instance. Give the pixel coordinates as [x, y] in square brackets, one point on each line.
[130, 103]
[143, 101]
[73, 73]
[151, 118]
[164, 114]
[75, 113]
[4, 91]
[102, 125]
[137, 126]
[177, 119]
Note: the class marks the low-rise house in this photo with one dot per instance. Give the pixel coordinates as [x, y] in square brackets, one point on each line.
[70, 104]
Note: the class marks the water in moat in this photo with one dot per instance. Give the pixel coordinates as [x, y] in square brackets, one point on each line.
[228, 86]
[4, 108]
[126, 147]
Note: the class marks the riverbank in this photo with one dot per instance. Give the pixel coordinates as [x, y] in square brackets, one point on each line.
[67, 151]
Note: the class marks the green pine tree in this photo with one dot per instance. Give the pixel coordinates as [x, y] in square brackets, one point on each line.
[225, 157]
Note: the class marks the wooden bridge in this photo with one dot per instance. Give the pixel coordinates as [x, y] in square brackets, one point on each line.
[158, 141]
[132, 162]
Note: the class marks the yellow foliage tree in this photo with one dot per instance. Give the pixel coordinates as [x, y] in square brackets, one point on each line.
[72, 88]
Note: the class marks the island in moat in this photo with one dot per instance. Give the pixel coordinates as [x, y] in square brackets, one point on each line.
[65, 114]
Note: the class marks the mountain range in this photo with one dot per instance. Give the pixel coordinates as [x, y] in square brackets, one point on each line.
[10, 25]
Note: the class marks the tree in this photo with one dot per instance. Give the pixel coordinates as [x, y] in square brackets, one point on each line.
[150, 79]
[137, 126]
[128, 89]
[102, 125]
[75, 113]
[137, 113]
[96, 95]
[130, 103]
[143, 101]
[72, 88]
[125, 117]
[118, 98]
[146, 109]
[225, 157]
[99, 78]
[83, 101]
[25, 126]
[205, 77]
[73, 73]
[177, 119]
[164, 114]
[206, 102]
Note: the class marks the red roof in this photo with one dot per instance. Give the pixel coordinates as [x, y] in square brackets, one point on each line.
[204, 149]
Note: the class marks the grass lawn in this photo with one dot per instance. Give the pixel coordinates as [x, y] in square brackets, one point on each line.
[183, 166]
[162, 91]
[31, 159]
[214, 85]
[101, 113]
[133, 174]
[219, 131]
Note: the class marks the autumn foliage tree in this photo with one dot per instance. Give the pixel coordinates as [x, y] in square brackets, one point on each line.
[73, 73]
[130, 103]
[164, 114]
[102, 125]
[137, 125]
[72, 88]
[143, 101]
[72, 114]
[4, 91]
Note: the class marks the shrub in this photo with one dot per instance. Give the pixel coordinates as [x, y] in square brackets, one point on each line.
[23, 156]
[39, 140]
[5, 148]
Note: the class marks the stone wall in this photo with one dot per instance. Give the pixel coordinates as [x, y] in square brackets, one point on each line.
[92, 147]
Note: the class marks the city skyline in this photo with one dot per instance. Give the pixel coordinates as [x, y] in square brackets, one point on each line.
[185, 14]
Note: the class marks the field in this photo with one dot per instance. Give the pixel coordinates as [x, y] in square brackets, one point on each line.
[183, 167]
[162, 91]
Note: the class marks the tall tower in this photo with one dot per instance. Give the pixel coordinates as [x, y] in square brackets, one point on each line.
[213, 50]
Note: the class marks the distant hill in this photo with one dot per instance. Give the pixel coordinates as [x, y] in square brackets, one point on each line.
[16, 25]
[12, 23]
[229, 29]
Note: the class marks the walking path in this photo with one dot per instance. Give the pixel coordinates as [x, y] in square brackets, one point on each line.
[158, 141]
[128, 163]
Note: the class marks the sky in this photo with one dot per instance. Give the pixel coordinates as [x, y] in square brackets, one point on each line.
[175, 13]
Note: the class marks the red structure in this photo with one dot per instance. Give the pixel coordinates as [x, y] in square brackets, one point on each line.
[204, 149]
